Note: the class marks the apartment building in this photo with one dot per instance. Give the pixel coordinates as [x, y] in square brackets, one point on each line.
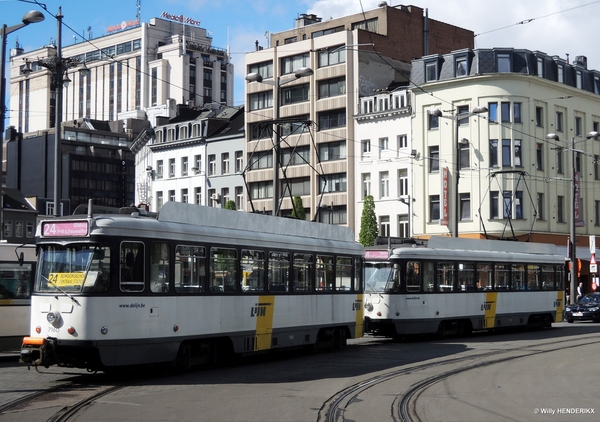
[515, 162]
[384, 164]
[307, 115]
[132, 67]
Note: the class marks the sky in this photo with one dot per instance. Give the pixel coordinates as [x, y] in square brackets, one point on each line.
[556, 27]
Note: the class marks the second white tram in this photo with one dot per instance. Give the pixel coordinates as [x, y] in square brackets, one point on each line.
[455, 286]
[188, 287]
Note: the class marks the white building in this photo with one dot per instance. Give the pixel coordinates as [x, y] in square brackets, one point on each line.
[196, 157]
[131, 70]
[383, 164]
[514, 181]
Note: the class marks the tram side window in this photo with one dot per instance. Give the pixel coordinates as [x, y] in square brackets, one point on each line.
[428, 277]
[533, 277]
[253, 271]
[279, 271]
[413, 276]
[484, 277]
[502, 276]
[560, 277]
[303, 271]
[223, 270]
[518, 277]
[159, 267]
[343, 274]
[548, 282]
[96, 262]
[358, 275]
[445, 277]
[325, 279]
[466, 277]
[132, 267]
[15, 281]
[190, 269]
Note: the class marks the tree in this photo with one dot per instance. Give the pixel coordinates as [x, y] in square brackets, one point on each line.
[368, 223]
[230, 205]
[298, 210]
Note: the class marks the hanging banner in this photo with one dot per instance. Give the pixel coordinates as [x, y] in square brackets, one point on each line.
[576, 206]
[444, 212]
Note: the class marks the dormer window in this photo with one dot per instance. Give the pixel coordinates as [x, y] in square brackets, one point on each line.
[431, 71]
[461, 66]
[504, 63]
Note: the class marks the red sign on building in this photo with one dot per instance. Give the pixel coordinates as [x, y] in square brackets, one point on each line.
[444, 199]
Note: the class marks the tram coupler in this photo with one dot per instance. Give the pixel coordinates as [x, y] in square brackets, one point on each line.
[33, 351]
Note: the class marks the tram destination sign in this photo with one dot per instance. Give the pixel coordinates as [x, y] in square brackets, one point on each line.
[65, 229]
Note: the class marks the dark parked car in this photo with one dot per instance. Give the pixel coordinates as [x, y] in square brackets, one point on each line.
[587, 308]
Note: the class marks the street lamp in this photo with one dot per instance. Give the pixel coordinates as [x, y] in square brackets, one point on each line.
[456, 118]
[33, 16]
[575, 206]
[58, 66]
[277, 83]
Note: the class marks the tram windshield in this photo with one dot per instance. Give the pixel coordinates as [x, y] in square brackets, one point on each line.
[380, 277]
[73, 268]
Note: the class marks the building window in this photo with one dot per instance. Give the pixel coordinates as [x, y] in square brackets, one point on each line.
[225, 196]
[296, 156]
[403, 182]
[261, 190]
[463, 109]
[505, 112]
[159, 200]
[293, 63]
[461, 68]
[332, 119]
[560, 215]
[261, 100]
[597, 213]
[370, 25]
[384, 226]
[430, 71]
[184, 166]
[384, 144]
[294, 94]
[171, 167]
[577, 126]
[225, 163]
[464, 158]
[333, 183]
[184, 196]
[540, 206]
[332, 55]
[159, 169]
[261, 161]
[493, 112]
[332, 87]
[559, 161]
[403, 226]
[172, 196]
[198, 196]
[434, 159]
[465, 206]
[298, 186]
[434, 208]
[539, 116]
[539, 157]
[494, 205]
[504, 62]
[29, 229]
[366, 185]
[506, 156]
[239, 197]
[264, 69]
[559, 121]
[433, 122]
[239, 161]
[366, 147]
[402, 141]
[384, 186]
[540, 67]
[517, 113]
[212, 165]
[512, 205]
[517, 153]
[596, 167]
[330, 151]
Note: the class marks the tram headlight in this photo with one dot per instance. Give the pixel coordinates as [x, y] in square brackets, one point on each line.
[53, 317]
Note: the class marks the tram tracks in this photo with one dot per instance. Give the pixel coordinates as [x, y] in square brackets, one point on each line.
[404, 406]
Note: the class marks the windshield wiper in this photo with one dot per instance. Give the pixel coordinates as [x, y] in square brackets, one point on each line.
[62, 291]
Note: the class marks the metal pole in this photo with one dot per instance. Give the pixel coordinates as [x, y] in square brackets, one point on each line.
[2, 118]
[58, 79]
[276, 150]
[456, 177]
[574, 283]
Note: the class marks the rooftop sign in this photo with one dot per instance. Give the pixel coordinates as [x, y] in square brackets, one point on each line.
[180, 19]
[123, 25]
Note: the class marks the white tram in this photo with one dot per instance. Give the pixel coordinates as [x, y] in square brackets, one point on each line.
[188, 287]
[17, 268]
[455, 286]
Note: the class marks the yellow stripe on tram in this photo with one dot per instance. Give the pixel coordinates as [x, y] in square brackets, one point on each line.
[559, 305]
[263, 312]
[490, 309]
[359, 309]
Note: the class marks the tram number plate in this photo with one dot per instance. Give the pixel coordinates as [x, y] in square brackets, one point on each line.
[577, 313]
